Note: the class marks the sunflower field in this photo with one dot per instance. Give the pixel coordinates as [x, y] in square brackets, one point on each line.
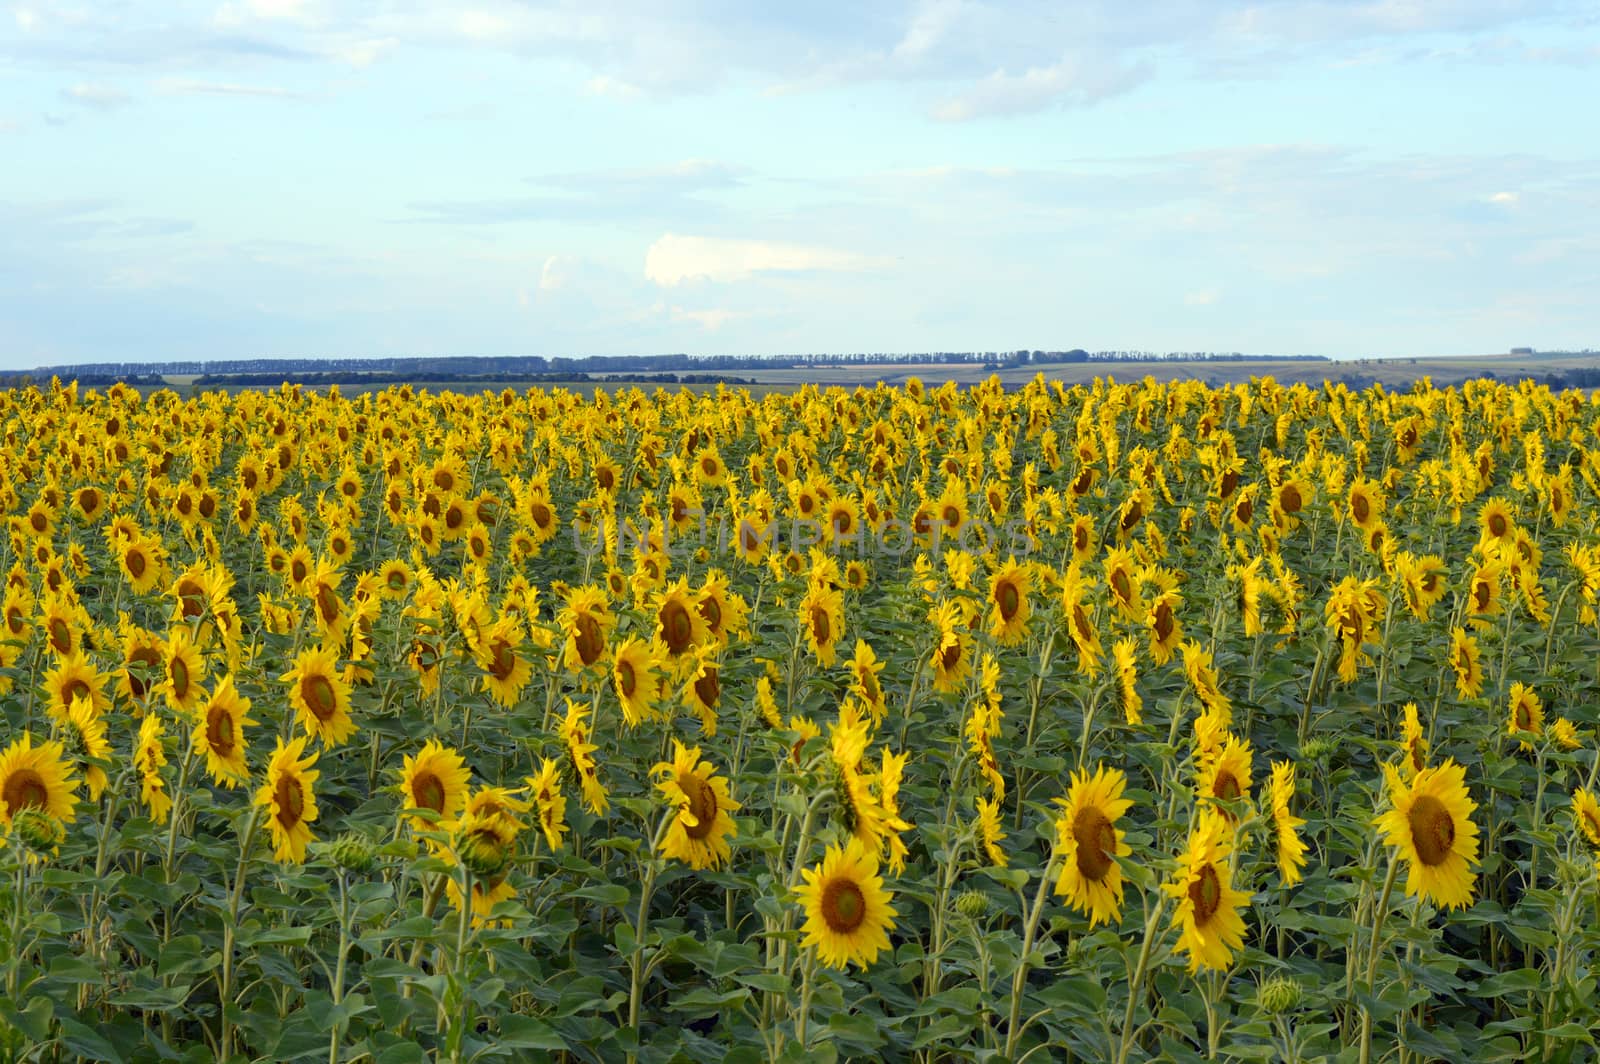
[1110, 722]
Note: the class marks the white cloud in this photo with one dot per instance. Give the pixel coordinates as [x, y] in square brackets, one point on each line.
[709, 320]
[186, 87]
[1075, 79]
[616, 88]
[1506, 199]
[674, 259]
[365, 53]
[1201, 299]
[100, 97]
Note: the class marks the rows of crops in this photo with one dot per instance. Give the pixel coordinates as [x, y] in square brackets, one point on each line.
[1114, 722]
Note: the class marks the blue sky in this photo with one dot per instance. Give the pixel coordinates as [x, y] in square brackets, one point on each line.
[280, 178]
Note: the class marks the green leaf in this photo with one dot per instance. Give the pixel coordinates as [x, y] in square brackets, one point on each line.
[528, 1032]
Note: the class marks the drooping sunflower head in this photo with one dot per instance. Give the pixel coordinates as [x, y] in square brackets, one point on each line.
[698, 836]
[1225, 772]
[1285, 825]
[1524, 712]
[219, 733]
[1586, 816]
[848, 913]
[288, 800]
[586, 620]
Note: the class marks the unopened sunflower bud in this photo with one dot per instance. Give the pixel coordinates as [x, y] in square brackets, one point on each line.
[38, 830]
[1278, 995]
[1318, 749]
[484, 850]
[973, 904]
[354, 853]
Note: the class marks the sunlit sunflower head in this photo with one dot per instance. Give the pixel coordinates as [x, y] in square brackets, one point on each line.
[952, 656]
[633, 676]
[575, 733]
[1466, 660]
[1430, 822]
[698, 835]
[1524, 713]
[1586, 816]
[1009, 608]
[586, 622]
[288, 801]
[436, 780]
[1122, 582]
[1090, 842]
[1565, 734]
[1125, 658]
[549, 803]
[724, 610]
[990, 832]
[74, 676]
[219, 733]
[864, 670]
[1207, 914]
[1285, 825]
[84, 737]
[821, 619]
[149, 757]
[680, 626]
[848, 913]
[1225, 773]
[37, 777]
[320, 696]
[183, 672]
[1413, 745]
[505, 672]
[1496, 522]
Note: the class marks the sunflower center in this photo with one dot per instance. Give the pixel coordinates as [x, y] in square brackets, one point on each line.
[821, 626]
[844, 907]
[1097, 842]
[298, 570]
[711, 610]
[396, 580]
[1226, 786]
[702, 805]
[676, 627]
[428, 791]
[25, 789]
[327, 604]
[291, 802]
[60, 635]
[75, 689]
[1360, 508]
[1121, 585]
[1482, 594]
[504, 661]
[1289, 499]
[1433, 829]
[1009, 599]
[1497, 525]
[134, 560]
[1524, 717]
[589, 640]
[319, 696]
[1205, 894]
[178, 671]
[707, 687]
[1163, 622]
[219, 731]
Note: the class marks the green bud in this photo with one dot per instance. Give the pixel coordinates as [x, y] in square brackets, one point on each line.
[1318, 749]
[1278, 995]
[354, 853]
[973, 904]
[38, 830]
[483, 850]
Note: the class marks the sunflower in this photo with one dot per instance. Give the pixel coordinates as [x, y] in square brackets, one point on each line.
[288, 800]
[62, 626]
[633, 676]
[183, 671]
[864, 670]
[1524, 713]
[1076, 599]
[436, 779]
[821, 619]
[1207, 913]
[1430, 822]
[549, 803]
[575, 734]
[1202, 676]
[1466, 661]
[990, 834]
[1365, 503]
[1090, 843]
[1225, 772]
[506, 672]
[1291, 851]
[1413, 746]
[586, 621]
[679, 623]
[319, 696]
[952, 654]
[219, 733]
[1124, 657]
[144, 657]
[890, 773]
[1496, 523]
[150, 757]
[1423, 580]
[1161, 618]
[1009, 609]
[1565, 734]
[74, 677]
[1122, 582]
[84, 730]
[140, 559]
[37, 777]
[395, 578]
[724, 609]
[848, 915]
[698, 835]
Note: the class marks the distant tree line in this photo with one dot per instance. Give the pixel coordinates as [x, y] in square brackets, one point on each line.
[321, 379]
[520, 366]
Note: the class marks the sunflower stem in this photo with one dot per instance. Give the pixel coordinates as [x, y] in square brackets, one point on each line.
[1020, 979]
[1137, 979]
[1378, 915]
[235, 896]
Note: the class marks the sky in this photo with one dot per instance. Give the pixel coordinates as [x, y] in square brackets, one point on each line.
[350, 178]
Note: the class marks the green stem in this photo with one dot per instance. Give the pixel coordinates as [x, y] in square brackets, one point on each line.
[1020, 979]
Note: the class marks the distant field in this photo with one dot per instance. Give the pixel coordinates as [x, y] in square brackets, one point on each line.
[1390, 372]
